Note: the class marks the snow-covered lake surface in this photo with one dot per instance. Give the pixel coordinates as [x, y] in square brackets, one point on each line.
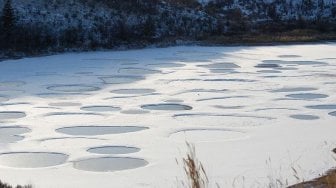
[121, 119]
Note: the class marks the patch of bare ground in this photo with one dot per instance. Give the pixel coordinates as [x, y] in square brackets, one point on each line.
[325, 181]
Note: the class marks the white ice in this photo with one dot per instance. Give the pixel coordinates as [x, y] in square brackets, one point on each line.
[251, 125]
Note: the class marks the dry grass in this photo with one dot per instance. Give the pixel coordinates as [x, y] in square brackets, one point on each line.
[5, 185]
[295, 36]
[275, 178]
[194, 170]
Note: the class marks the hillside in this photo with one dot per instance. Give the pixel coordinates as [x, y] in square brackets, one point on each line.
[58, 25]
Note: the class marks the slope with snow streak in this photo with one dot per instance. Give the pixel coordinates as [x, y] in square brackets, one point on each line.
[238, 114]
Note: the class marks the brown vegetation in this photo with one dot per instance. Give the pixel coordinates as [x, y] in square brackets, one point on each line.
[295, 36]
[194, 170]
[5, 185]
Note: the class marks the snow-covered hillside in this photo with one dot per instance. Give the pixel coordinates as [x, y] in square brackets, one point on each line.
[58, 25]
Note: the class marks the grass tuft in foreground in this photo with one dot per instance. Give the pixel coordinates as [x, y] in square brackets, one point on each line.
[194, 170]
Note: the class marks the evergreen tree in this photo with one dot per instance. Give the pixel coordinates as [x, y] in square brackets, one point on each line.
[8, 18]
[307, 6]
[149, 28]
[321, 5]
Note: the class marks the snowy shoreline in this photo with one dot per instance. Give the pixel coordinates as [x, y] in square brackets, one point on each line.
[178, 43]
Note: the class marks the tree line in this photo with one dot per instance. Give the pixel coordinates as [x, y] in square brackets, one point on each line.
[142, 22]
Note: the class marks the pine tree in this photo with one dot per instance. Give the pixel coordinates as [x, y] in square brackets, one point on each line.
[8, 18]
[307, 5]
[149, 28]
[321, 5]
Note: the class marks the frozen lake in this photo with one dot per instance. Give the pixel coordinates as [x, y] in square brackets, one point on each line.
[121, 118]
